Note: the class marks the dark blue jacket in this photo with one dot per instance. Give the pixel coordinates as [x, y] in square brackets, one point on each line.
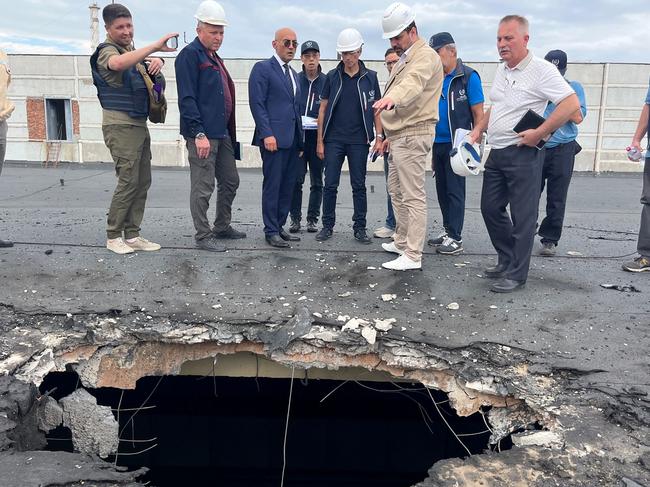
[310, 92]
[459, 110]
[275, 109]
[132, 97]
[368, 88]
[201, 100]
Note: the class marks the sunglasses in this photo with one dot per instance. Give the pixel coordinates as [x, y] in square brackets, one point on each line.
[288, 43]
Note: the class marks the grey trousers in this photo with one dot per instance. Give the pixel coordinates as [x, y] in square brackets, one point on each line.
[220, 166]
[3, 142]
[643, 245]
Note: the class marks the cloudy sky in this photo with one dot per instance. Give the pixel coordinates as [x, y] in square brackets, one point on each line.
[588, 30]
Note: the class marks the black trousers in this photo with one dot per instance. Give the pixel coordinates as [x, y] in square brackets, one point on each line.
[450, 188]
[643, 245]
[556, 176]
[513, 176]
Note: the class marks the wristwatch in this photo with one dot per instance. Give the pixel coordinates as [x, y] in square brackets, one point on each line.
[200, 135]
[381, 136]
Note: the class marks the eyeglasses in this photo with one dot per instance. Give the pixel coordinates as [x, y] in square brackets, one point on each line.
[289, 43]
[390, 63]
[351, 53]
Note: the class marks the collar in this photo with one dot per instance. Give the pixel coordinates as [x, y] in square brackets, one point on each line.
[120, 48]
[523, 63]
[281, 62]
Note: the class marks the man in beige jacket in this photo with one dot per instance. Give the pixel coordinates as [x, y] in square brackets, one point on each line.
[409, 112]
[6, 108]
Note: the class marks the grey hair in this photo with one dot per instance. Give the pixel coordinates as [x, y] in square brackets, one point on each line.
[522, 21]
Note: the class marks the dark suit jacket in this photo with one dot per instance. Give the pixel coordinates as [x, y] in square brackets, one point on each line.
[274, 107]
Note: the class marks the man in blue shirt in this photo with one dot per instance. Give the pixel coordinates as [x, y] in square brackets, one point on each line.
[561, 150]
[460, 106]
[642, 262]
[346, 127]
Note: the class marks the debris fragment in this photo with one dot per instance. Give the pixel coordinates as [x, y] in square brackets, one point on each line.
[574, 253]
[384, 325]
[343, 318]
[493, 306]
[453, 306]
[371, 268]
[317, 315]
[354, 324]
[372, 286]
[459, 264]
[49, 252]
[345, 294]
[216, 306]
[547, 439]
[388, 297]
[370, 334]
[302, 298]
[629, 288]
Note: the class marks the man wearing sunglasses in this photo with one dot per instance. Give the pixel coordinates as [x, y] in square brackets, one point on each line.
[409, 112]
[273, 96]
[346, 128]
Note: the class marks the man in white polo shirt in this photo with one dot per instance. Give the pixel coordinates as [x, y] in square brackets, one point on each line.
[513, 171]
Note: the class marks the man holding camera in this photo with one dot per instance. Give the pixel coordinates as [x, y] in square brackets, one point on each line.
[206, 101]
[118, 71]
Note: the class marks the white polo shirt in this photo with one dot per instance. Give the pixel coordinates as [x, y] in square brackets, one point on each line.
[529, 85]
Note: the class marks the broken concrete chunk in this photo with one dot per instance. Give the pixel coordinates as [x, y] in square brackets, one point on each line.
[354, 324]
[547, 439]
[370, 334]
[574, 253]
[94, 428]
[384, 325]
[343, 318]
[388, 297]
[626, 289]
[49, 414]
[346, 294]
[453, 306]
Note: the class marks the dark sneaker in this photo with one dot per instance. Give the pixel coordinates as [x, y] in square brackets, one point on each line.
[324, 234]
[547, 249]
[449, 246]
[229, 233]
[295, 226]
[311, 227]
[434, 242]
[362, 236]
[6, 244]
[210, 244]
[640, 264]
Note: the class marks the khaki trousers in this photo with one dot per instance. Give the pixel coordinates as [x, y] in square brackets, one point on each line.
[406, 177]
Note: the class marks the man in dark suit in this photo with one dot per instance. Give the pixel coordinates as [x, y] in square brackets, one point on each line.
[273, 94]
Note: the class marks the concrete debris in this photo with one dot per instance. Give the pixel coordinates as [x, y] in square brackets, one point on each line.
[547, 439]
[343, 318]
[388, 297]
[453, 306]
[317, 315]
[574, 253]
[94, 428]
[626, 288]
[50, 414]
[384, 325]
[370, 334]
[216, 306]
[346, 294]
[354, 324]
[295, 328]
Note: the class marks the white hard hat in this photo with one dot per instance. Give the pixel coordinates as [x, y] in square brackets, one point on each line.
[466, 159]
[397, 17]
[349, 40]
[211, 13]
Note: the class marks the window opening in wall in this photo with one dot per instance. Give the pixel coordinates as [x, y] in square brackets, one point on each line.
[58, 117]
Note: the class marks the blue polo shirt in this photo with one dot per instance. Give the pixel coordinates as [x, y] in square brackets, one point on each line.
[346, 125]
[474, 95]
[647, 102]
[569, 131]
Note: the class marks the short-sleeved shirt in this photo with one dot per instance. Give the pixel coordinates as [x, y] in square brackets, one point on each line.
[528, 86]
[346, 124]
[474, 96]
[114, 78]
[569, 131]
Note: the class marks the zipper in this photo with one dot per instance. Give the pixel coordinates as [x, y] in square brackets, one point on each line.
[363, 103]
[308, 96]
[336, 97]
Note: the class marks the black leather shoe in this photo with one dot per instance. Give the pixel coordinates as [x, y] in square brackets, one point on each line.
[295, 226]
[210, 244]
[289, 238]
[362, 236]
[494, 272]
[276, 241]
[507, 285]
[311, 227]
[229, 233]
[324, 234]
[6, 244]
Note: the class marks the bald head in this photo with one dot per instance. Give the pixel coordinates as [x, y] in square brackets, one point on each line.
[285, 44]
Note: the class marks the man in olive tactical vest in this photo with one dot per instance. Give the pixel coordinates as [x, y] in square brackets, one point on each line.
[118, 71]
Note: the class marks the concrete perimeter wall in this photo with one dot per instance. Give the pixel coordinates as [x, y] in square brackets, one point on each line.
[615, 95]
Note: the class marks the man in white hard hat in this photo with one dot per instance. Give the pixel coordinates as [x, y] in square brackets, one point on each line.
[6, 109]
[513, 171]
[119, 73]
[346, 128]
[274, 100]
[409, 112]
[206, 101]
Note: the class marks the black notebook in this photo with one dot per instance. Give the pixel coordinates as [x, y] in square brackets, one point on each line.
[530, 120]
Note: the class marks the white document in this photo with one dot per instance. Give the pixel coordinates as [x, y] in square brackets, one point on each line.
[309, 123]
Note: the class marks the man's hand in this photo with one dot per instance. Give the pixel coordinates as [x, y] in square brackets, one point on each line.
[385, 103]
[386, 147]
[637, 144]
[378, 147]
[530, 137]
[202, 147]
[161, 44]
[155, 65]
[320, 150]
[474, 136]
[270, 144]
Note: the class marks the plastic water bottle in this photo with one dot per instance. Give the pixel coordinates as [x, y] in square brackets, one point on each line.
[634, 154]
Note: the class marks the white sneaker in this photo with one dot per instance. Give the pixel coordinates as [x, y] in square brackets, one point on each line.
[383, 232]
[390, 247]
[118, 246]
[402, 263]
[143, 244]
